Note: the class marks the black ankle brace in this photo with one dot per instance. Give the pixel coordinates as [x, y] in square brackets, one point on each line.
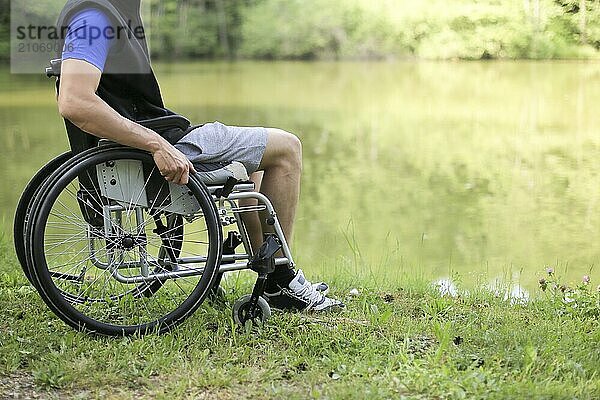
[282, 276]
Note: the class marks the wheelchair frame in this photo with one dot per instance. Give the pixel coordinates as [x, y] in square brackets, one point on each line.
[229, 262]
[226, 198]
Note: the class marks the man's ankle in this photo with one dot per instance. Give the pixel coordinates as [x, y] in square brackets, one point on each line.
[281, 277]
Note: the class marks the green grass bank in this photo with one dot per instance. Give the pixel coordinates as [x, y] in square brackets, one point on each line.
[404, 341]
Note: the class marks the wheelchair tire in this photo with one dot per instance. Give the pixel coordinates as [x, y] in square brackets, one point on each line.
[24, 206]
[63, 241]
[241, 308]
[22, 213]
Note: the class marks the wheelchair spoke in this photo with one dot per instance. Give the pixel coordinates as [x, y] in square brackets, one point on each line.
[92, 198]
[174, 248]
[68, 220]
[71, 244]
[104, 253]
[187, 233]
[77, 237]
[150, 217]
[75, 267]
[107, 273]
[55, 256]
[91, 285]
[197, 242]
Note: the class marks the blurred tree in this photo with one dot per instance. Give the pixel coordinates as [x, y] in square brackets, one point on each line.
[584, 18]
[4, 29]
[196, 28]
[362, 29]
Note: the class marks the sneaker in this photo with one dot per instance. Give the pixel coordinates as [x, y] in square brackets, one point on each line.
[320, 287]
[301, 295]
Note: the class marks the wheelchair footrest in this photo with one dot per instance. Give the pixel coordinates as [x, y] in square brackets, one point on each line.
[263, 262]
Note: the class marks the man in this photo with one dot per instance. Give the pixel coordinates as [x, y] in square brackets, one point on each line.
[107, 84]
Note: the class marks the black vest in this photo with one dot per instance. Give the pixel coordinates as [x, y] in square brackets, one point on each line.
[128, 84]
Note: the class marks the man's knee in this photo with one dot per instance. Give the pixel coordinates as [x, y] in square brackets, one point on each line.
[295, 148]
[286, 147]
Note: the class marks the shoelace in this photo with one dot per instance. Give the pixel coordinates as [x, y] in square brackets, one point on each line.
[310, 294]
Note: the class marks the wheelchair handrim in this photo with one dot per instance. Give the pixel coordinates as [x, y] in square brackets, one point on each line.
[24, 206]
[62, 308]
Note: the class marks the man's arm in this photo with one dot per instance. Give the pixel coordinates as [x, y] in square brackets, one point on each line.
[79, 103]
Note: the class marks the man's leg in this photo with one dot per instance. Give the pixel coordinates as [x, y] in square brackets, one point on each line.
[252, 219]
[278, 179]
[282, 166]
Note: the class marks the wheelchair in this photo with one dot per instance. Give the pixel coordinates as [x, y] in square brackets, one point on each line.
[114, 249]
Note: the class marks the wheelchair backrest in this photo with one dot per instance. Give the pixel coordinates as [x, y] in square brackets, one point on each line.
[171, 127]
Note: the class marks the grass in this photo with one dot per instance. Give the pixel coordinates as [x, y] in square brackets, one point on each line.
[404, 341]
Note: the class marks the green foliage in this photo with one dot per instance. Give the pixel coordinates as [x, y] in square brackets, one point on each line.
[320, 29]
[182, 30]
[392, 29]
[362, 29]
[4, 29]
[50, 372]
[579, 24]
[195, 28]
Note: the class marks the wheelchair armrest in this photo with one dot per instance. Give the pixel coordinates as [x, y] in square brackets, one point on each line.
[167, 122]
[106, 142]
[160, 125]
[247, 186]
[54, 69]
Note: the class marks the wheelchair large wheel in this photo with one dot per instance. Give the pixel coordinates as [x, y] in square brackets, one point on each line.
[24, 206]
[117, 250]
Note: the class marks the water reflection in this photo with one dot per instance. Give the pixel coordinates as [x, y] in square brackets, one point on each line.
[446, 287]
[512, 292]
[410, 168]
[517, 295]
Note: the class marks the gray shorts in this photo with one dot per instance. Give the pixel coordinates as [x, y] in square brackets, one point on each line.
[218, 143]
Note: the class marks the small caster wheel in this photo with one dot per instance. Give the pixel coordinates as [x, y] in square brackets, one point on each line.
[241, 310]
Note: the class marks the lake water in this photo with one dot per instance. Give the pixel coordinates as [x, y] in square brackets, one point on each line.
[480, 171]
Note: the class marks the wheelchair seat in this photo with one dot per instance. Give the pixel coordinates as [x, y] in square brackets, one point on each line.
[214, 174]
[219, 173]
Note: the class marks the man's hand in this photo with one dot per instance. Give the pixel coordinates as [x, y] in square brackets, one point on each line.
[173, 164]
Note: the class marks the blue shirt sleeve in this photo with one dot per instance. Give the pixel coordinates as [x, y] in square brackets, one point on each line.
[89, 38]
